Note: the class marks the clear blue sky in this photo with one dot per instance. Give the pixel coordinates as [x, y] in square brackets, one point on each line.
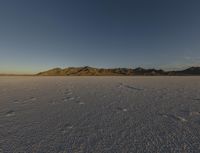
[37, 35]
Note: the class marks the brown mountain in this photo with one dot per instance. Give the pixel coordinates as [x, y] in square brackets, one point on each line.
[90, 71]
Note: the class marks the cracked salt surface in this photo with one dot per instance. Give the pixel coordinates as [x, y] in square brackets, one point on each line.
[100, 114]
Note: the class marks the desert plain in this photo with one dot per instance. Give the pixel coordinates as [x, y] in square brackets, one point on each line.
[121, 114]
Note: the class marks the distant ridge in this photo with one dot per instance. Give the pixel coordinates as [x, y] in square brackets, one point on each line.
[90, 71]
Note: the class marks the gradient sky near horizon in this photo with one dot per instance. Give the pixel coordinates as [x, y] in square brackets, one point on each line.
[37, 35]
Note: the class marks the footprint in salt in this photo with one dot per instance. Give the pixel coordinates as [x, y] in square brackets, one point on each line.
[81, 103]
[67, 92]
[16, 101]
[10, 113]
[174, 117]
[71, 98]
[66, 128]
[181, 118]
[66, 99]
[122, 109]
[69, 127]
[32, 99]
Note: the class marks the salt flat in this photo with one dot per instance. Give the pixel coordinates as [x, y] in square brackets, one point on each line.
[99, 114]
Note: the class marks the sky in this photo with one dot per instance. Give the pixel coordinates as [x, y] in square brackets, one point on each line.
[37, 35]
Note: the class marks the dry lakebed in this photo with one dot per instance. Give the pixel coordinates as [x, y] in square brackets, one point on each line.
[158, 114]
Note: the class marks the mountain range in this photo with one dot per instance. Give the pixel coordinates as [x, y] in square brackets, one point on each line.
[91, 71]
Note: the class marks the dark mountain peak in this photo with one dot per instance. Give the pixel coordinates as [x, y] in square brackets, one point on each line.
[193, 69]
